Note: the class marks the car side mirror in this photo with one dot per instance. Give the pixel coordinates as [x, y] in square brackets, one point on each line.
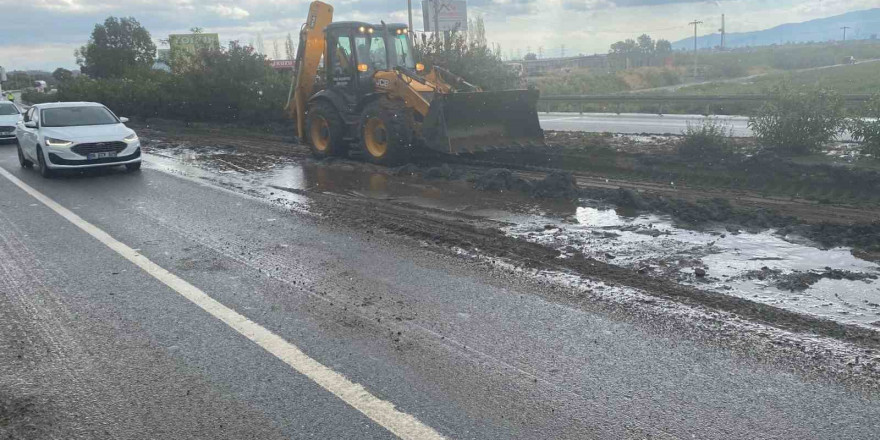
[31, 124]
[123, 120]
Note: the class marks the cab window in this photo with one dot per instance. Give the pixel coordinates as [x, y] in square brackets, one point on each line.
[402, 52]
[342, 61]
[371, 51]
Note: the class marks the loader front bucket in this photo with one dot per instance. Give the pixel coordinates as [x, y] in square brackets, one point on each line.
[479, 121]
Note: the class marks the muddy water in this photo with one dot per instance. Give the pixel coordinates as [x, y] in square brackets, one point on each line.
[648, 244]
[735, 263]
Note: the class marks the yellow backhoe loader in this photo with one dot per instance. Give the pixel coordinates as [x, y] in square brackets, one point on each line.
[359, 84]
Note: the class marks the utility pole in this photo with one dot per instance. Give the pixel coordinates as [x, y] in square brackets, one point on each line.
[409, 11]
[844, 32]
[437, 19]
[695, 23]
[722, 31]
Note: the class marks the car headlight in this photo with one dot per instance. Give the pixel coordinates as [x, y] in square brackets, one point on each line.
[52, 142]
[131, 138]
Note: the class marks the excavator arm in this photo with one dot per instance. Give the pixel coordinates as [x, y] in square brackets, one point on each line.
[308, 56]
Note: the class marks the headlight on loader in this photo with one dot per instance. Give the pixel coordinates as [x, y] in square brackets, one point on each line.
[420, 67]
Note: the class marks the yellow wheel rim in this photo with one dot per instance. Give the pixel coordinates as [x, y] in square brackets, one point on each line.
[376, 137]
[320, 134]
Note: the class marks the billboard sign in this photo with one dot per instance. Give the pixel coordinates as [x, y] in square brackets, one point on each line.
[193, 42]
[451, 14]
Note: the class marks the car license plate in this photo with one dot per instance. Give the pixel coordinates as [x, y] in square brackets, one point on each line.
[101, 155]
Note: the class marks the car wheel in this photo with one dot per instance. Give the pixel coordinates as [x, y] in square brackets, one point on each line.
[44, 169]
[132, 167]
[21, 160]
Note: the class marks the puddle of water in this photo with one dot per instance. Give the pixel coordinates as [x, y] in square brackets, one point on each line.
[245, 182]
[652, 243]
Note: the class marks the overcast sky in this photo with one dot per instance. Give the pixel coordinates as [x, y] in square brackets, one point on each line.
[42, 34]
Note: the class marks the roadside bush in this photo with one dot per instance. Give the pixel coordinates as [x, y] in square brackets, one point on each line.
[232, 85]
[708, 140]
[798, 120]
[36, 97]
[867, 128]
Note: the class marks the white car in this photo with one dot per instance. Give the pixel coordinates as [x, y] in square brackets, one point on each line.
[10, 115]
[73, 135]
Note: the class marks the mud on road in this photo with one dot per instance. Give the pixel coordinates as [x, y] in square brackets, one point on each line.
[736, 266]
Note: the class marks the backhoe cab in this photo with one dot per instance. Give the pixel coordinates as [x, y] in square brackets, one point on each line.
[372, 93]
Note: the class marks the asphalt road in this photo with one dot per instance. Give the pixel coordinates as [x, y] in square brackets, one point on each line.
[93, 346]
[637, 123]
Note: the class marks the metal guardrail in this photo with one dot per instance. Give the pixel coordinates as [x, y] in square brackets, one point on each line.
[635, 97]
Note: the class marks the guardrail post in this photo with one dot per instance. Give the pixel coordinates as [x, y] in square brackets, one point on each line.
[582, 108]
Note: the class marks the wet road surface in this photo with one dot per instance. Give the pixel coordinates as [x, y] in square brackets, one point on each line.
[92, 346]
[633, 123]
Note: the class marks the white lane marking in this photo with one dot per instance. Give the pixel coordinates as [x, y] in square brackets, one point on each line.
[380, 411]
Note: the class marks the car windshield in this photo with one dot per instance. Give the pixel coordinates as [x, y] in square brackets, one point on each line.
[7, 109]
[77, 116]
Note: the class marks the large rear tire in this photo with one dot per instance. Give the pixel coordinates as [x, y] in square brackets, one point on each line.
[386, 132]
[325, 130]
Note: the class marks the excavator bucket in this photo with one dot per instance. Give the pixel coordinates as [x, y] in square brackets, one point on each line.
[479, 121]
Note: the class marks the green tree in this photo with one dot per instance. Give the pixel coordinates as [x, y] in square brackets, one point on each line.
[116, 48]
[646, 44]
[61, 75]
[470, 57]
[663, 46]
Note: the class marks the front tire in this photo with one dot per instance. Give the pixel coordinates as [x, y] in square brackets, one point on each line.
[133, 167]
[386, 132]
[44, 169]
[325, 130]
[21, 160]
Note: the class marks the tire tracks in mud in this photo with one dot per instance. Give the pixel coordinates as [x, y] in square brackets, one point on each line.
[443, 229]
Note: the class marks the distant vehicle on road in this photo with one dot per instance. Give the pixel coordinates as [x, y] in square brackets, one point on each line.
[849, 60]
[72, 135]
[40, 85]
[10, 115]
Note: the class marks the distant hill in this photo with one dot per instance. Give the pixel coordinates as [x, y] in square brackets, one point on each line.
[863, 25]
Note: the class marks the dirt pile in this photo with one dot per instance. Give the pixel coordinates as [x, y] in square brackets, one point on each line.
[442, 172]
[800, 281]
[557, 185]
[501, 179]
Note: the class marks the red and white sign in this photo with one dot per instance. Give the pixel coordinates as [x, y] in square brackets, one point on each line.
[451, 15]
[283, 64]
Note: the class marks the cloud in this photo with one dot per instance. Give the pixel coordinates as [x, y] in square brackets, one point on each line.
[233, 12]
